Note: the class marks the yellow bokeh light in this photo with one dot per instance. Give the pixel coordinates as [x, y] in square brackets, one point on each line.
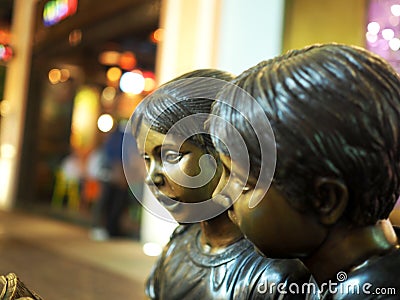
[149, 84]
[84, 117]
[114, 74]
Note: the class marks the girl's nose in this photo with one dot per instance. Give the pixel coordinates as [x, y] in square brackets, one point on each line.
[154, 175]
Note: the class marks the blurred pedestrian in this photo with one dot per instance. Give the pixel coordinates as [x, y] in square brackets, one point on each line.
[114, 196]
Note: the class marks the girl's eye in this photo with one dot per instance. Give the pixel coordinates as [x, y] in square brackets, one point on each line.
[146, 158]
[171, 157]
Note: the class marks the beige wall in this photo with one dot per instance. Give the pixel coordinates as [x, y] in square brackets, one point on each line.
[322, 21]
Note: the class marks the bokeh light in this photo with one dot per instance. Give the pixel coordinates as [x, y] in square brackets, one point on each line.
[65, 75]
[388, 34]
[152, 249]
[127, 60]
[157, 35]
[132, 82]
[149, 81]
[56, 10]
[395, 9]
[75, 37]
[394, 44]
[105, 122]
[373, 27]
[372, 38]
[114, 74]
[109, 58]
[383, 31]
[6, 52]
[149, 84]
[108, 94]
[54, 76]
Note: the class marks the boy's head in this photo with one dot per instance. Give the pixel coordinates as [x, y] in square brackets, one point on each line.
[182, 164]
[335, 114]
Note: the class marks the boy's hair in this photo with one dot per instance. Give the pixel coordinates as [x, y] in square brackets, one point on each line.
[335, 112]
[170, 103]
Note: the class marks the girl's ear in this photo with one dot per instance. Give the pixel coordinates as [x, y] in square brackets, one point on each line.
[331, 198]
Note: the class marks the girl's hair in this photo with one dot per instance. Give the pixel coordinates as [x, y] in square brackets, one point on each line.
[170, 103]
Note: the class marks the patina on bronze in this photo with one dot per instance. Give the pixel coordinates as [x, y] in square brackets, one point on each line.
[335, 113]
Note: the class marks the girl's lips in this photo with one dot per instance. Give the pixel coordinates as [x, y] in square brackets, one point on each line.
[169, 203]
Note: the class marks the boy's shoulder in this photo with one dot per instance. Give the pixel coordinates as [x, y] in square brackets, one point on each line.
[376, 275]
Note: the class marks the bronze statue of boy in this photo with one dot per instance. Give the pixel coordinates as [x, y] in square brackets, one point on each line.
[334, 111]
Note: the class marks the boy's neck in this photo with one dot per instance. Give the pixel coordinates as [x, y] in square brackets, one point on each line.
[346, 248]
[218, 233]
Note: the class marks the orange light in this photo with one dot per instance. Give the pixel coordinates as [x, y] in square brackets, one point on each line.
[75, 37]
[5, 36]
[65, 74]
[157, 35]
[127, 60]
[54, 76]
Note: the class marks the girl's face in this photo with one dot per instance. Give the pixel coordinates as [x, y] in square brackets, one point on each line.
[183, 172]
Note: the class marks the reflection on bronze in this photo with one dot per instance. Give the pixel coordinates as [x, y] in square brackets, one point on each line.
[14, 289]
[335, 113]
[187, 271]
[210, 259]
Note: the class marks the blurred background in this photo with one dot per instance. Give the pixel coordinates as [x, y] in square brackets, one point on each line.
[73, 71]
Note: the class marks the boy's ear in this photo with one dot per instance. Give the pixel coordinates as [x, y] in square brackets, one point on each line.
[331, 198]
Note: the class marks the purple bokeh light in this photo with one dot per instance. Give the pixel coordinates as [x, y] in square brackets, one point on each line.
[383, 30]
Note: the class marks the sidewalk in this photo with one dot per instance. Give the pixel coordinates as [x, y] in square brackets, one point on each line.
[59, 261]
